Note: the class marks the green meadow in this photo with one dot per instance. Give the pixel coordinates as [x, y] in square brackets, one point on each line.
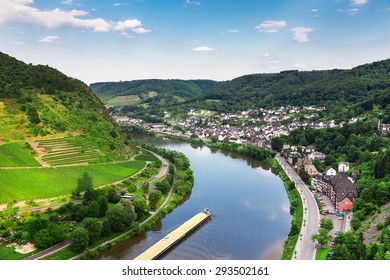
[34, 183]
[12, 155]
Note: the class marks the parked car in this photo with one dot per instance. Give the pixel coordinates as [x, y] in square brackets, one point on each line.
[329, 255]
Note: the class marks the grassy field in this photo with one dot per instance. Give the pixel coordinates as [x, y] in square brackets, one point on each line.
[9, 253]
[321, 253]
[21, 184]
[146, 157]
[12, 154]
[124, 100]
[70, 150]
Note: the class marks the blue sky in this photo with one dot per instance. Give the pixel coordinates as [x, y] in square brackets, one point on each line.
[105, 40]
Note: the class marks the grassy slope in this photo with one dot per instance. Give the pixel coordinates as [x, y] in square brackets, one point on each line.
[34, 183]
[12, 154]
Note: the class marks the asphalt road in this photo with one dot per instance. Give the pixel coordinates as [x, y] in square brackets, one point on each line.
[305, 248]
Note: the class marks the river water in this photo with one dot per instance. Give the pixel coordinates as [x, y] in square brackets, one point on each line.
[248, 201]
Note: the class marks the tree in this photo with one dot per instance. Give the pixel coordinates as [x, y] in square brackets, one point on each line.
[84, 183]
[321, 237]
[112, 196]
[326, 224]
[214, 138]
[49, 236]
[35, 225]
[103, 205]
[341, 252]
[79, 212]
[93, 227]
[140, 205]
[88, 195]
[129, 211]
[106, 228]
[353, 243]
[277, 143]
[163, 186]
[42, 239]
[154, 198]
[93, 209]
[145, 187]
[78, 239]
[116, 217]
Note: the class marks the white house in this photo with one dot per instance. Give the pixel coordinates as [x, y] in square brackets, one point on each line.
[329, 171]
[343, 166]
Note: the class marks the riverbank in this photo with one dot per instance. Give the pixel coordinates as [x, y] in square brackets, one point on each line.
[296, 210]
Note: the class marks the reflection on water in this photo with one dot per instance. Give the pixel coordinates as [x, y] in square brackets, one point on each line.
[249, 204]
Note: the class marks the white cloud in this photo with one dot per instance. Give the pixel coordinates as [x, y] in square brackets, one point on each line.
[352, 11]
[68, 2]
[314, 10]
[127, 24]
[141, 30]
[21, 11]
[17, 43]
[131, 24]
[49, 39]
[233, 31]
[271, 26]
[358, 2]
[301, 34]
[188, 3]
[78, 13]
[204, 49]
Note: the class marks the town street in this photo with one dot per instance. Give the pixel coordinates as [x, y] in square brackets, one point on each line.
[305, 248]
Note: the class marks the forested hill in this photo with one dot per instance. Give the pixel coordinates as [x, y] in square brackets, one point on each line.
[362, 86]
[40, 101]
[344, 93]
[152, 91]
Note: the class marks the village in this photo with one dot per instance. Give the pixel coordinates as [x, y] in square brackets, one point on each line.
[258, 128]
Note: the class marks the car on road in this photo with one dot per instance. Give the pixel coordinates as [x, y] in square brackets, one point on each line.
[337, 233]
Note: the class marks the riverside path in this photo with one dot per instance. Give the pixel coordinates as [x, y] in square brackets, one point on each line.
[305, 247]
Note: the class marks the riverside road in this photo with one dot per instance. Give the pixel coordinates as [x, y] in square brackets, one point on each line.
[305, 248]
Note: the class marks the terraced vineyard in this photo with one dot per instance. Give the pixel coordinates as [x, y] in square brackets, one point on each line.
[65, 151]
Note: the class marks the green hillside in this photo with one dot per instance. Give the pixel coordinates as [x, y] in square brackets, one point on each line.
[35, 183]
[14, 154]
[41, 102]
[344, 93]
[152, 91]
[361, 87]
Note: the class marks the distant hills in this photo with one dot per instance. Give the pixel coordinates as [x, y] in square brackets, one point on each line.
[38, 101]
[155, 91]
[357, 89]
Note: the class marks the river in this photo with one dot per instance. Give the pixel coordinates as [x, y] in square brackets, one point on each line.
[249, 204]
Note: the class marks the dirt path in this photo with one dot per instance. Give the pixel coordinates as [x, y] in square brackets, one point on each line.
[41, 153]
